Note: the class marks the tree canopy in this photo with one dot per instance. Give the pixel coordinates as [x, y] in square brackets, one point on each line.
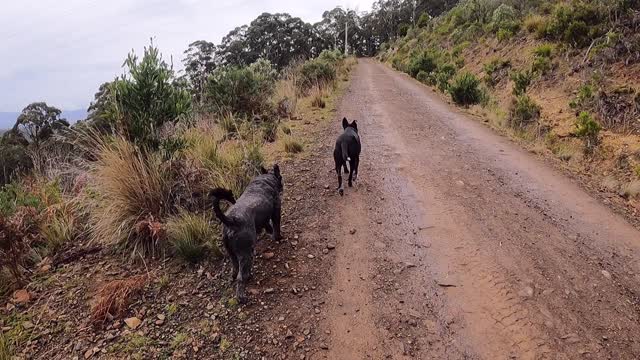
[281, 38]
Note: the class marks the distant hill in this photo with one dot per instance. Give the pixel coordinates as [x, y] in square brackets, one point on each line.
[8, 119]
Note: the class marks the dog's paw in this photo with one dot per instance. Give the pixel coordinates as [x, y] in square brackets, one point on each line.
[341, 192]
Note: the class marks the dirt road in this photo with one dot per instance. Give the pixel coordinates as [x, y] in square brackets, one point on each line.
[466, 246]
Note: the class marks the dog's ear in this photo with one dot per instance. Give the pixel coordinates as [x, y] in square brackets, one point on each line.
[263, 170]
[345, 123]
[276, 170]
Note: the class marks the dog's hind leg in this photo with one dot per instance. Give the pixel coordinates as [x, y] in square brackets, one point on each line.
[352, 166]
[346, 169]
[356, 164]
[268, 228]
[339, 172]
[246, 262]
[275, 219]
[234, 259]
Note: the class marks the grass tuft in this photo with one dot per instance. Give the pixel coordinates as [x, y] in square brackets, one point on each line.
[292, 146]
[193, 236]
[131, 190]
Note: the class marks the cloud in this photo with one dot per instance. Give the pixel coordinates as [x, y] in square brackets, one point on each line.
[61, 51]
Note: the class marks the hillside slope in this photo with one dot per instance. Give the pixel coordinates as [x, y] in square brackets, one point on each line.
[549, 74]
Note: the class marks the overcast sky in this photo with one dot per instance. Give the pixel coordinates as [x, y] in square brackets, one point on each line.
[61, 51]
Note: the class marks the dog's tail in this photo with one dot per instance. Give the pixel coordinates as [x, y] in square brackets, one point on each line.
[222, 194]
[344, 147]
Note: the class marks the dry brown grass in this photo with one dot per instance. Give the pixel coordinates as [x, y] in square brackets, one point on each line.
[132, 191]
[114, 297]
[632, 189]
[317, 95]
[225, 163]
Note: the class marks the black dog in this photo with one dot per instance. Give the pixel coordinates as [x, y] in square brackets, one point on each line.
[244, 221]
[347, 150]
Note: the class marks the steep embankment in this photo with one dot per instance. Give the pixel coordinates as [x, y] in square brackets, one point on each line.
[538, 76]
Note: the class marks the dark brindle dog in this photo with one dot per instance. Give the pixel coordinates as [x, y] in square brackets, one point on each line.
[347, 150]
[259, 204]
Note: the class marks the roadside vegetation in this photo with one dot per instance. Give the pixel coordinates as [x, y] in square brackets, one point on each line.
[132, 180]
[561, 76]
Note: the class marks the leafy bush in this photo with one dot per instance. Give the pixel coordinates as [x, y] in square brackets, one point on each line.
[577, 23]
[444, 74]
[331, 56]
[423, 77]
[14, 196]
[316, 72]
[423, 20]
[542, 59]
[192, 236]
[403, 29]
[147, 97]
[243, 91]
[423, 61]
[584, 97]
[14, 157]
[494, 70]
[588, 129]
[523, 111]
[521, 81]
[465, 89]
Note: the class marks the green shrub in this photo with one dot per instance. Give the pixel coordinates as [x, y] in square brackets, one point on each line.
[14, 157]
[316, 73]
[423, 77]
[403, 29]
[584, 97]
[331, 56]
[444, 74]
[589, 130]
[465, 89]
[192, 236]
[424, 20]
[424, 61]
[541, 65]
[147, 97]
[494, 70]
[505, 22]
[521, 81]
[243, 91]
[544, 50]
[13, 196]
[577, 23]
[504, 34]
[523, 111]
